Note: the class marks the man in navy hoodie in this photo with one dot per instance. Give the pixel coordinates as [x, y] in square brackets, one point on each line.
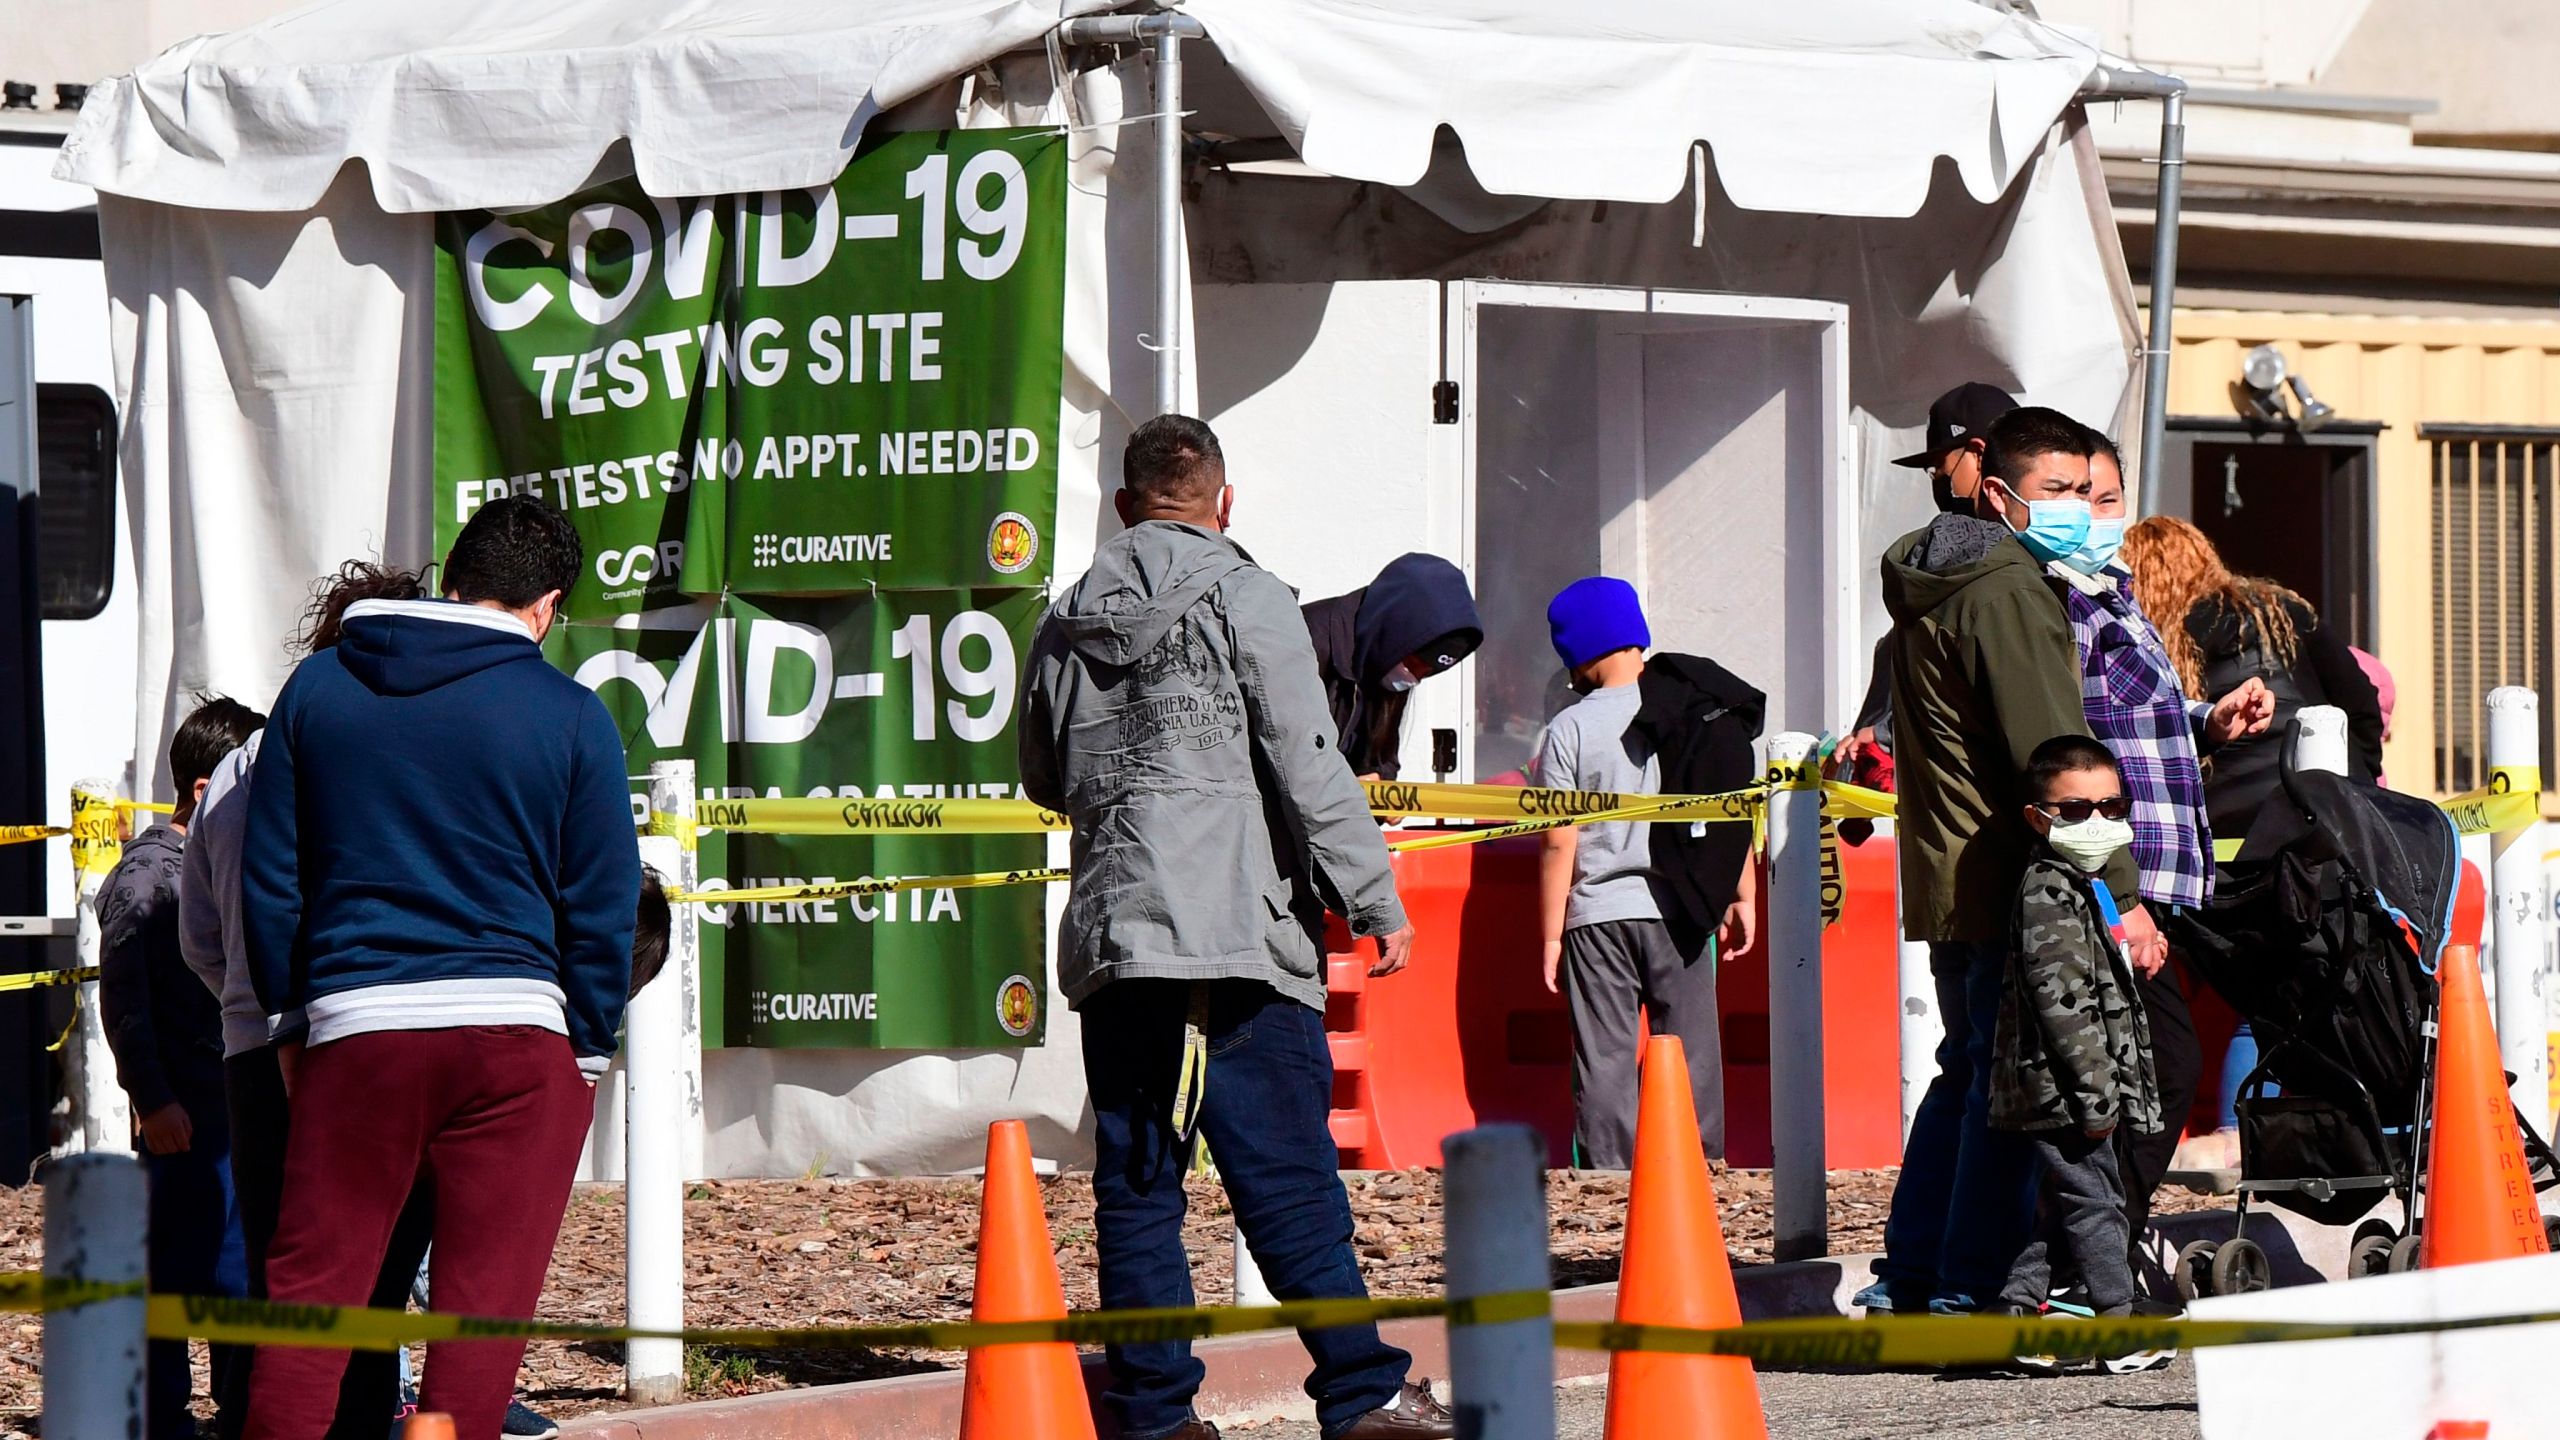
[439, 888]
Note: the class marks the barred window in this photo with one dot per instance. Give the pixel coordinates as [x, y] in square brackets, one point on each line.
[2497, 529]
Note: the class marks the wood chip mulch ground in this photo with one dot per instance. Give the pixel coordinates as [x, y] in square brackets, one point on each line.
[785, 1253]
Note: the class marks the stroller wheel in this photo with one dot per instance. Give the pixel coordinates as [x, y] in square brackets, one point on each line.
[2195, 1269]
[2241, 1268]
[2404, 1255]
[2371, 1256]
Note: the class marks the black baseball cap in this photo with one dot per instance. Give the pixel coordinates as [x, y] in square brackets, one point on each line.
[1958, 416]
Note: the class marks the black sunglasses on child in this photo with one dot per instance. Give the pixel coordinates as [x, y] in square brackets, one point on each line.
[2074, 811]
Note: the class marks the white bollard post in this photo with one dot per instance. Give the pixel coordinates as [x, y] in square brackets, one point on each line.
[1793, 924]
[2518, 907]
[2322, 743]
[1922, 1026]
[1251, 1288]
[98, 1101]
[96, 1221]
[673, 791]
[653, 1173]
[1501, 1376]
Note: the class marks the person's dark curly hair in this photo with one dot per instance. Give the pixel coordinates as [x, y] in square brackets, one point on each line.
[324, 619]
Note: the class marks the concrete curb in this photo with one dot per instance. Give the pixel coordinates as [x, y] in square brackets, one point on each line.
[1260, 1377]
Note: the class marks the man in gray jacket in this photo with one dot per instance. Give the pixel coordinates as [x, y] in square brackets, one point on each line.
[1173, 712]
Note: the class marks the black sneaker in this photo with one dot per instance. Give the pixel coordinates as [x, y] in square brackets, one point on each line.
[521, 1420]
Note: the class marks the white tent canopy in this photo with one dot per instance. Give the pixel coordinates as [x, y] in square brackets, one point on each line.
[272, 298]
[1842, 108]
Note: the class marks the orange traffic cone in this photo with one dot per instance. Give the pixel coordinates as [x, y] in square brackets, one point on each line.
[1019, 1392]
[1673, 1272]
[428, 1425]
[2479, 1200]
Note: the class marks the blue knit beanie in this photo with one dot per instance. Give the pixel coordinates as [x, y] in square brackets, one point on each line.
[1592, 617]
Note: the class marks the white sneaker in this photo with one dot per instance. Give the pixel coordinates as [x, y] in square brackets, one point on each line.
[2139, 1361]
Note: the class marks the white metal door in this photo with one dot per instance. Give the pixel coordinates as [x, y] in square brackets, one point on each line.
[1696, 445]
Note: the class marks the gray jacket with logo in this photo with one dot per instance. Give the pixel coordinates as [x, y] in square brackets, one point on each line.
[1174, 713]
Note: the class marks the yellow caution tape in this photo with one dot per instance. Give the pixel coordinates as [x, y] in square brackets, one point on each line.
[1884, 1343]
[1387, 800]
[1649, 811]
[857, 816]
[34, 979]
[846, 889]
[666, 822]
[2511, 800]
[21, 834]
[2226, 851]
[95, 846]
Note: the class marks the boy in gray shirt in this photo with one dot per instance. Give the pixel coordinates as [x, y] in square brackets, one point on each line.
[1599, 908]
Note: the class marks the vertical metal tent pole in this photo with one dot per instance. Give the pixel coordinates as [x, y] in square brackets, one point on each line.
[2164, 288]
[2109, 83]
[1168, 197]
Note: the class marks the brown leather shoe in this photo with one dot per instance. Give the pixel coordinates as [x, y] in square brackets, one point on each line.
[1194, 1428]
[1414, 1415]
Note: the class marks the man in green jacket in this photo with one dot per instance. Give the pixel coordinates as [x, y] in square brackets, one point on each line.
[1983, 672]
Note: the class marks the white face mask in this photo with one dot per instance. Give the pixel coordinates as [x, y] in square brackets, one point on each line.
[2091, 843]
[1400, 679]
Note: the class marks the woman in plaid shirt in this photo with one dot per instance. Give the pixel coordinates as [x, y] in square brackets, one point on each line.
[2136, 707]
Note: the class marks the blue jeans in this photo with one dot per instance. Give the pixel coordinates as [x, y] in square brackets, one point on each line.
[1265, 1114]
[1965, 1203]
[195, 1249]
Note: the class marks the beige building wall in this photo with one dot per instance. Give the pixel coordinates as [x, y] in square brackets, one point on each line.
[2406, 373]
[2486, 63]
[50, 42]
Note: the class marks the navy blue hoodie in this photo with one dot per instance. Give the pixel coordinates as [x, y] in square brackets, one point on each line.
[440, 835]
[1416, 600]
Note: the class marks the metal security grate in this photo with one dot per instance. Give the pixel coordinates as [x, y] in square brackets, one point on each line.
[2497, 529]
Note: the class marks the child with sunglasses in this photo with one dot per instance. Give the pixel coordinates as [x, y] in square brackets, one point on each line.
[2071, 1052]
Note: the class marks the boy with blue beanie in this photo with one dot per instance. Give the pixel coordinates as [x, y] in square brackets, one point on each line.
[1633, 921]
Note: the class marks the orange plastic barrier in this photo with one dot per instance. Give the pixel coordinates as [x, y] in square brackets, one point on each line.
[1468, 1034]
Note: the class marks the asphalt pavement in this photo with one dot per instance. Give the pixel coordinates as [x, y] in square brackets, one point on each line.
[1804, 1405]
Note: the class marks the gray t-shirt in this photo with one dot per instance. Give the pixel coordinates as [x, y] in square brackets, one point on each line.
[1585, 748]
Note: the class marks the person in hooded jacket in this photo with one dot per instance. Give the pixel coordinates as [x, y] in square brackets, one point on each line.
[439, 886]
[1375, 644]
[1984, 672]
[1171, 710]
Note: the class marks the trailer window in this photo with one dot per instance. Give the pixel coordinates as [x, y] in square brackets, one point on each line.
[76, 486]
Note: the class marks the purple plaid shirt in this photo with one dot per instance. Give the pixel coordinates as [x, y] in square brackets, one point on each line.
[2137, 709]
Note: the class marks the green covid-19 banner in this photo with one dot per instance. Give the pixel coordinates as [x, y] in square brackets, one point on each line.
[896, 696]
[850, 387]
[809, 438]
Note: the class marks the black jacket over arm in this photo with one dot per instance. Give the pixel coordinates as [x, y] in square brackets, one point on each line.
[1699, 719]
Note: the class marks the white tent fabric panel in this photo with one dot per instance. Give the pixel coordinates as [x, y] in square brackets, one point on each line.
[491, 104]
[1842, 108]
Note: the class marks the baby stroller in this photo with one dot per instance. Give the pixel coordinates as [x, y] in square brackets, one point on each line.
[2325, 933]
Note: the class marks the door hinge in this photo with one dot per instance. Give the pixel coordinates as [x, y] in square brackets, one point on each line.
[1444, 403]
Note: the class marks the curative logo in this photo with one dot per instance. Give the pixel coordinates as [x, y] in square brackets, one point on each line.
[1012, 543]
[768, 549]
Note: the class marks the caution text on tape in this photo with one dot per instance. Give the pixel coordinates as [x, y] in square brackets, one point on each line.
[2511, 800]
[39, 978]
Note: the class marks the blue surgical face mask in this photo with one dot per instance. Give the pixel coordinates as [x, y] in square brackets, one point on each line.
[2106, 535]
[2055, 528]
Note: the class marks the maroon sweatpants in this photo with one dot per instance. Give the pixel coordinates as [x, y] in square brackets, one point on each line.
[493, 1117]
